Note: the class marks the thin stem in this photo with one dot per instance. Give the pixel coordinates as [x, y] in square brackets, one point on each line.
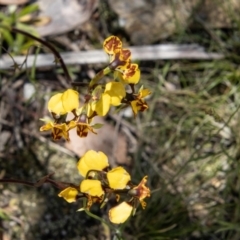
[23, 182]
[39, 183]
[54, 51]
[15, 65]
[99, 219]
[45, 43]
[98, 76]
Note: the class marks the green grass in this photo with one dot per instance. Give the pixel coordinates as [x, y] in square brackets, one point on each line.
[189, 148]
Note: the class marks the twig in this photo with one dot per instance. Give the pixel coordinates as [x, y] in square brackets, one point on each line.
[57, 55]
[41, 138]
[39, 183]
[146, 53]
[45, 43]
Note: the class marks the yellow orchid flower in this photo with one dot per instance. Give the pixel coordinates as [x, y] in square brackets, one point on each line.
[113, 94]
[90, 201]
[92, 160]
[59, 130]
[82, 128]
[112, 44]
[138, 104]
[118, 56]
[62, 103]
[91, 187]
[69, 194]
[120, 213]
[70, 100]
[129, 75]
[140, 192]
[55, 104]
[120, 59]
[118, 178]
[102, 105]
[116, 91]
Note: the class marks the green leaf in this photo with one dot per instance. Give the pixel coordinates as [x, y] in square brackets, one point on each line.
[3, 16]
[165, 70]
[7, 22]
[27, 28]
[97, 125]
[7, 37]
[20, 38]
[27, 45]
[46, 120]
[28, 9]
[3, 215]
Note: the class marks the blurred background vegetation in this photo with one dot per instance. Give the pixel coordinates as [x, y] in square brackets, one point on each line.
[187, 142]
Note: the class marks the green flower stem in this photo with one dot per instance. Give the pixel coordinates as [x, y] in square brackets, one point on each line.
[115, 229]
[99, 75]
[99, 219]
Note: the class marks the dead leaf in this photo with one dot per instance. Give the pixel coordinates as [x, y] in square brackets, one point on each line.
[4, 138]
[65, 15]
[114, 145]
[13, 2]
[33, 20]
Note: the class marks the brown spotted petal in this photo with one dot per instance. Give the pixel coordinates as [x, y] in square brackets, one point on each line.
[91, 200]
[131, 75]
[83, 129]
[121, 59]
[142, 105]
[125, 55]
[140, 192]
[112, 44]
[58, 133]
[59, 130]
